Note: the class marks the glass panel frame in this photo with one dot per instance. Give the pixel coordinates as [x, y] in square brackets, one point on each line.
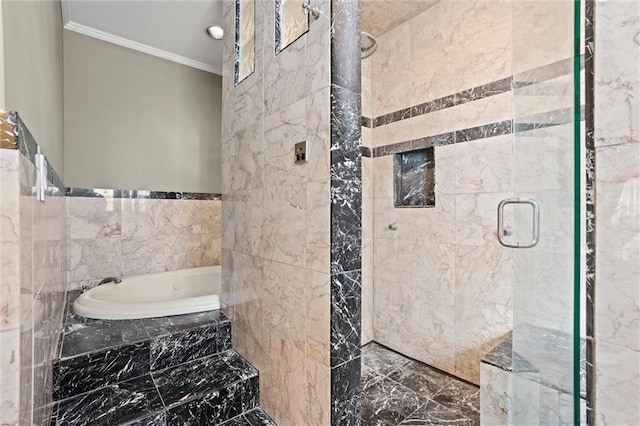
[245, 40]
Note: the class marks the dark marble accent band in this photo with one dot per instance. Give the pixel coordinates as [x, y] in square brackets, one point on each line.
[14, 134]
[590, 237]
[524, 79]
[346, 212]
[366, 151]
[139, 194]
[506, 127]
[367, 122]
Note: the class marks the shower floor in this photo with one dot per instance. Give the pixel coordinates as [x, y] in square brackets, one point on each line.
[400, 391]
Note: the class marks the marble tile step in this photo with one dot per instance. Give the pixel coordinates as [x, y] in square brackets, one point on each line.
[207, 391]
[100, 353]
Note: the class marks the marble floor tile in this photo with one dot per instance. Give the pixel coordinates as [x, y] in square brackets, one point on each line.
[369, 376]
[433, 413]
[381, 359]
[421, 378]
[400, 391]
[389, 403]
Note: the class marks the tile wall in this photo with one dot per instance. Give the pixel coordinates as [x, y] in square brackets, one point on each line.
[125, 233]
[439, 288]
[617, 200]
[32, 290]
[276, 216]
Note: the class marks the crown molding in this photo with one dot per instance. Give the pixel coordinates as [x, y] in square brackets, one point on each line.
[104, 36]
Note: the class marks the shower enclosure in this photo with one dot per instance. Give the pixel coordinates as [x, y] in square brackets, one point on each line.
[473, 193]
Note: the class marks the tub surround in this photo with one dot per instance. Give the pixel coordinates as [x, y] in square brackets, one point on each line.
[32, 246]
[123, 233]
[169, 370]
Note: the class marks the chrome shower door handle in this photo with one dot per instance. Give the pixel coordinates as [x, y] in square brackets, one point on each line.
[536, 222]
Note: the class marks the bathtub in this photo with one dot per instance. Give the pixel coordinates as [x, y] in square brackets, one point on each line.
[153, 295]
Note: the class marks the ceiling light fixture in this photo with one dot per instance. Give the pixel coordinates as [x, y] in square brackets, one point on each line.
[215, 32]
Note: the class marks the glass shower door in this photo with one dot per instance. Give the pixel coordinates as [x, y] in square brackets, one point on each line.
[542, 221]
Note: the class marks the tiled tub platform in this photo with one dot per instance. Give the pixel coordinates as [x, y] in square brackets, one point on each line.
[156, 371]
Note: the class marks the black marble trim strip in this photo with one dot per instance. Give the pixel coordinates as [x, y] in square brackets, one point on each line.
[506, 127]
[524, 79]
[590, 219]
[16, 135]
[139, 194]
[366, 151]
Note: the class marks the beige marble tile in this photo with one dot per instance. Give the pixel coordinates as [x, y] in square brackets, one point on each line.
[285, 301]
[382, 172]
[367, 87]
[318, 225]
[434, 225]
[434, 269]
[318, 49]
[544, 160]
[617, 387]
[484, 273]
[318, 393]
[544, 279]
[9, 194]
[616, 68]
[317, 317]
[379, 17]
[386, 214]
[282, 130]
[9, 285]
[431, 124]
[392, 88]
[94, 259]
[10, 374]
[480, 325]
[247, 221]
[393, 260]
[485, 165]
[318, 135]
[481, 52]
[400, 131]
[445, 173]
[484, 111]
[542, 33]
[367, 291]
[94, 217]
[284, 224]
[476, 218]
[618, 252]
[142, 218]
[495, 388]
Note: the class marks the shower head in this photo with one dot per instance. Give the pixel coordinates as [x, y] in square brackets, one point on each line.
[368, 45]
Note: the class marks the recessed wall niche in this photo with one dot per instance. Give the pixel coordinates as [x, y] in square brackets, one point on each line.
[292, 22]
[245, 48]
[414, 179]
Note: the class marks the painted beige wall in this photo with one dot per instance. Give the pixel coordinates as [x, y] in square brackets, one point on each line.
[32, 32]
[135, 121]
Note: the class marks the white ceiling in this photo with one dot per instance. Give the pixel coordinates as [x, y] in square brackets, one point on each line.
[170, 29]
